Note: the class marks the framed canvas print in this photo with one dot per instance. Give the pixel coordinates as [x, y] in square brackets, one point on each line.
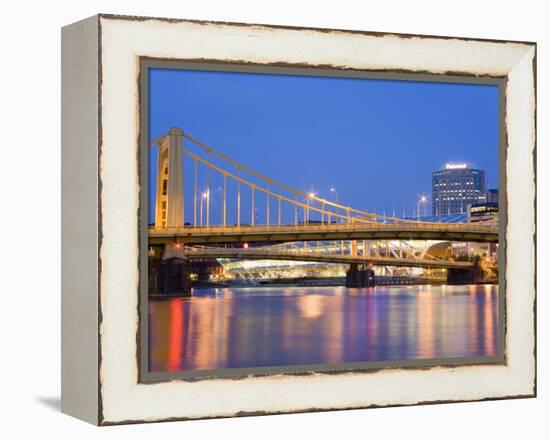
[262, 219]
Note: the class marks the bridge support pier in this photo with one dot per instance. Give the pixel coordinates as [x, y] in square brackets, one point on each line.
[203, 274]
[171, 277]
[466, 276]
[359, 276]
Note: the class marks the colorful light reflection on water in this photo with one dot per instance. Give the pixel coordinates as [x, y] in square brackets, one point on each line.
[264, 327]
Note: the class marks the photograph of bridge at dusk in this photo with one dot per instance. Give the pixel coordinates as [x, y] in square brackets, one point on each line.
[298, 220]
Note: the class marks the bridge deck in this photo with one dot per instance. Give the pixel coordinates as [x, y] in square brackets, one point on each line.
[471, 232]
[296, 255]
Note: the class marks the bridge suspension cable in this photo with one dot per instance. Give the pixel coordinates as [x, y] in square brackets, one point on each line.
[286, 187]
[255, 187]
[332, 213]
[342, 212]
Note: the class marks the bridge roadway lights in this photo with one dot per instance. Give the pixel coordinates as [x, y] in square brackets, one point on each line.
[170, 277]
[466, 276]
[359, 277]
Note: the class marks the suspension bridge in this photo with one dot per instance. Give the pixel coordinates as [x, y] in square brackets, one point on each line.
[276, 212]
[254, 208]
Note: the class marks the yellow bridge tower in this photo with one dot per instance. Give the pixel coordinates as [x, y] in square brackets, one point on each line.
[170, 207]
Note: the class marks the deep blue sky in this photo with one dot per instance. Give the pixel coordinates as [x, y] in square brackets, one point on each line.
[376, 141]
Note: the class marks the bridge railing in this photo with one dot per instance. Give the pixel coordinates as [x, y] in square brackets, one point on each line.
[338, 227]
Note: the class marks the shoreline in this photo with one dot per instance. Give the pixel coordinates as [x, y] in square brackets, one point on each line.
[206, 286]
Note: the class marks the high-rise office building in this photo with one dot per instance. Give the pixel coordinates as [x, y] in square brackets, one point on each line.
[455, 187]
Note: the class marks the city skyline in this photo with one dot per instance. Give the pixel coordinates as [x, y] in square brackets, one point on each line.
[233, 112]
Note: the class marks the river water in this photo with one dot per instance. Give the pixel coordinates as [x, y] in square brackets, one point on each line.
[269, 326]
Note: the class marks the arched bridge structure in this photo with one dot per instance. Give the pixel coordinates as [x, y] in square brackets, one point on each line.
[316, 232]
[202, 196]
[191, 253]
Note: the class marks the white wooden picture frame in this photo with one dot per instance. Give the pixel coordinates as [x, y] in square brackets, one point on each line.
[101, 381]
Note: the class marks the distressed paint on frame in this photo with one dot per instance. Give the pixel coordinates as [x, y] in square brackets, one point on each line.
[239, 412]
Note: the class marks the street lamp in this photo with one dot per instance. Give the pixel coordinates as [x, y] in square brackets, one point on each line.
[422, 199]
[310, 196]
[335, 191]
[204, 196]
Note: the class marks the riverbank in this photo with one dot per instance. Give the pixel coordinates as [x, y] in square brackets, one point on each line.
[319, 282]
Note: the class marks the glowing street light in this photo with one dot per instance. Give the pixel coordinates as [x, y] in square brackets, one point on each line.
[204, 196]
[335, 191]
[310, 196]
[422, 199]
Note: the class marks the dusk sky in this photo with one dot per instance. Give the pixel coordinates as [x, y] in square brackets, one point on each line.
[376, 141]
